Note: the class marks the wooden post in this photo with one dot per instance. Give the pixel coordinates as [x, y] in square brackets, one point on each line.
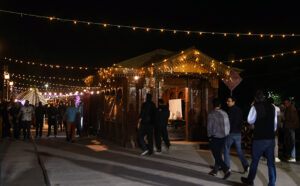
[187, 124]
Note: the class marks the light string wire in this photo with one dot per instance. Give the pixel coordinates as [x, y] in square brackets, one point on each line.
[52, 66]
[262, 57]
[272, 55]
[54, 84]
[75, 21]
[48, 77]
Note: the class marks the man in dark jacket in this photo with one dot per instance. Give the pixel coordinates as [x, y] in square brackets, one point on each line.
[264, 117]
[162, 116]
[39, 118]
[52, 119]
[146, 124]
[291, 123]
[15, 114]
[236, 119]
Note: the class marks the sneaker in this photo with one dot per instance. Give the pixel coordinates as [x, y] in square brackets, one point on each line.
[246, 181]
[227, 174]
[144, 153]
[277, 160]
[158, 152]
[212, 173]
[292, 160]
[246, 169]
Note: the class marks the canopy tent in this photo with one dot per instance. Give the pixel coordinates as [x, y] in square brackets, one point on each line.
[33, 96]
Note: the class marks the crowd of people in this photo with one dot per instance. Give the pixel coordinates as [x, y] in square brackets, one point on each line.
[269, 123]
[224, 129]
[21, 118]
[152, 119]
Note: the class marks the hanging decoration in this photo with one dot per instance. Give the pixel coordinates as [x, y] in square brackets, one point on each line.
[148, 29]
[253, 58]
[48, 77]
[51, 66]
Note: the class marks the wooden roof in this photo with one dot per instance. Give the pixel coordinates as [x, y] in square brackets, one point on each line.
[146, 59]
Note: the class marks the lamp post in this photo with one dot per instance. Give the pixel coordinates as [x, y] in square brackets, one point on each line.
[6, 77]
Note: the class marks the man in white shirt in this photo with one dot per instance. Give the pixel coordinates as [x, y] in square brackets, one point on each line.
[264, 118]
[27, 112]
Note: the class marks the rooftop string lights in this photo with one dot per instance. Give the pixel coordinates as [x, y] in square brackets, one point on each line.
[148, 29]
[253, 58]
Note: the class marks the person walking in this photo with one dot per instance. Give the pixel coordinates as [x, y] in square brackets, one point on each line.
[6, 122]
[145, 125]
[1, 118]
[39, 117]
[218, 128]
[277, 110]
[79, 124]
[15, 113]
[160, 129]
[61, 111]
[264, 118]
[71, 116]
[52, 119]
[291, 123]
[236, 119]
[27, 113]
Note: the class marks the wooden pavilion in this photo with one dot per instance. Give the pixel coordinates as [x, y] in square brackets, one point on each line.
[188, 75]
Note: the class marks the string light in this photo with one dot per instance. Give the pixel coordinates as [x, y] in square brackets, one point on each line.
[48, 77]
[265, 56]
[51, 18]
[52, 66]
[53, 84]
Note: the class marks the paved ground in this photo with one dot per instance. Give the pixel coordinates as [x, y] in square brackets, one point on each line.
[93, 162]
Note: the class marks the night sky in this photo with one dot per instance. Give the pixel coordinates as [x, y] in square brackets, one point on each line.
[65, 43]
